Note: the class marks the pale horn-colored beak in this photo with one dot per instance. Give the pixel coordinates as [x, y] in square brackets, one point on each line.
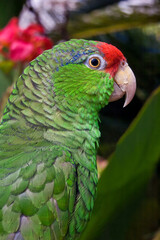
[124, 83]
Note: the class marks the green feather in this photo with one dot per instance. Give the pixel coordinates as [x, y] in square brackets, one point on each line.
[10, 220]
[45, 216]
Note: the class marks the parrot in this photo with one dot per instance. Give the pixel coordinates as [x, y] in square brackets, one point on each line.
[49, 136]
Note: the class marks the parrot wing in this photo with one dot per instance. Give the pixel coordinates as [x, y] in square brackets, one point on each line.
[37, 193]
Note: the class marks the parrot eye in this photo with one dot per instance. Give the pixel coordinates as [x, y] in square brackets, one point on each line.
[95, 62]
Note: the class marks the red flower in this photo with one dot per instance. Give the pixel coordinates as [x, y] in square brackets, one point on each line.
[23, 44]
[9, 33]
[20, 50]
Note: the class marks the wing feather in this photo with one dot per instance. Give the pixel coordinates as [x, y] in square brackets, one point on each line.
[38, 199]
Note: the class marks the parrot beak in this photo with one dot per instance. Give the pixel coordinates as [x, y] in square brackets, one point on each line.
[124, 83]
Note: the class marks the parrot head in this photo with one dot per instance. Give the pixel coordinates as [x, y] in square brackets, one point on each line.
[93, 72]
[81, 75]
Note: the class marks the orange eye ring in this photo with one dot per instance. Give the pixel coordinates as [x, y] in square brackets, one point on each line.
[94, 62]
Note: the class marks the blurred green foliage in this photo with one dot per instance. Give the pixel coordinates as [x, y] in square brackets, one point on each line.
[9, 9]
[5, 81]
[112, 19]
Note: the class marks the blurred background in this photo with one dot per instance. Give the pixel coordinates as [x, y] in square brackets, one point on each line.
[30, 27]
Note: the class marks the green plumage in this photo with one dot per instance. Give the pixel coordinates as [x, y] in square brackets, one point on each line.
[48, 140]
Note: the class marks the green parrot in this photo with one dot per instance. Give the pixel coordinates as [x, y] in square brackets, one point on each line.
[49, 136]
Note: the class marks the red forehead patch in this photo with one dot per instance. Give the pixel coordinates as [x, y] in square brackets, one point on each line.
[112, 54]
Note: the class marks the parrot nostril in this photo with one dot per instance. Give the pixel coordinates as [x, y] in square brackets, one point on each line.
[123, 63]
